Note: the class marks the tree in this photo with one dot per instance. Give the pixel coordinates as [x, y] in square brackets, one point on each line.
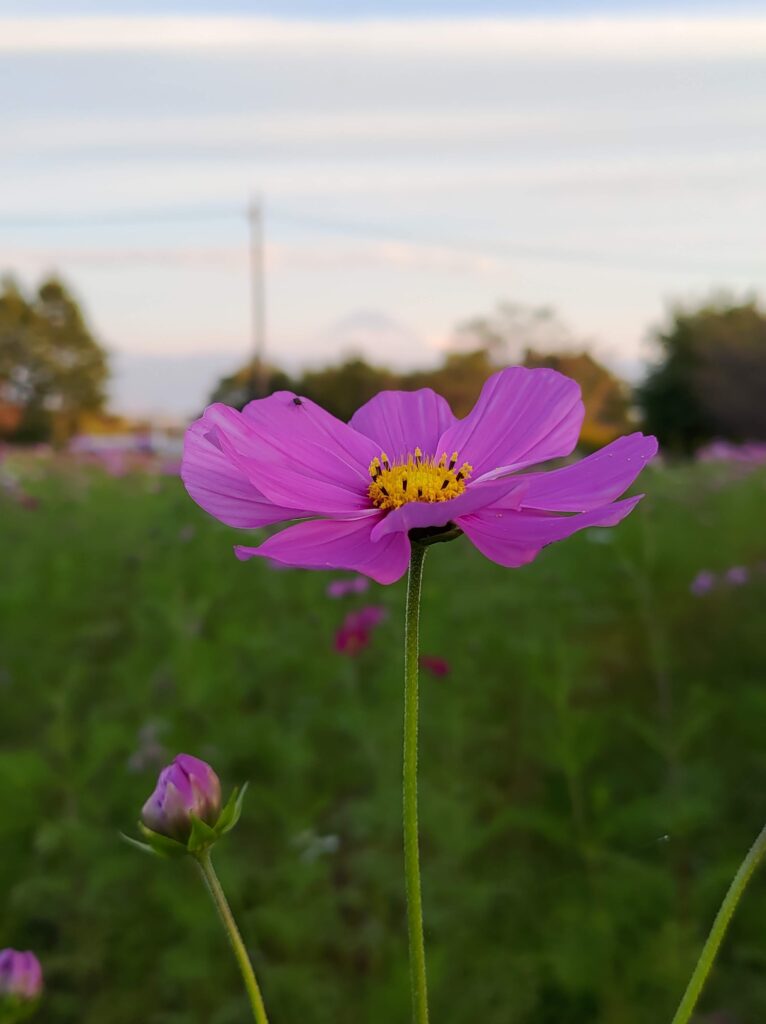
[342, 389]
[514, 329]
[51, 367]
[459, 378]
[710, 378]
[535, 337]
[248, 382]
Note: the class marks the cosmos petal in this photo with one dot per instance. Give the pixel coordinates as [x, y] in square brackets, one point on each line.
[521, 417]
[592, 482]
[400, 421]
[220, 487]
[513, 538]
[337, 544]
[297, 454]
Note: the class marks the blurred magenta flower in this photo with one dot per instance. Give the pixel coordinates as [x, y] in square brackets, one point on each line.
[438, 667]
[187, 787]
[751, 452]
[702, 583]
[356, 632]
[350, 585]
[737, 575]
[21, 977]
[406, 463]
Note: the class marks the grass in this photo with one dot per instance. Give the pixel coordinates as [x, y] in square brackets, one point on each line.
[592, 769]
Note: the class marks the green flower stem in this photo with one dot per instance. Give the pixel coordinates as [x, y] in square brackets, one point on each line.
[410, 790]
[230, 926]
[717, 932]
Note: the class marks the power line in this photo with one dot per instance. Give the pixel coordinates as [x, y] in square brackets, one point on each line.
[129, 217]
[483, 247]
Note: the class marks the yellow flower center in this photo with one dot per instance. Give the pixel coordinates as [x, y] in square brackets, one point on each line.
[416, 479]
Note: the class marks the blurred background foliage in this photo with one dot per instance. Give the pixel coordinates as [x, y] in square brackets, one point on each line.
[52, 369]
[707, 381]
[591, 769]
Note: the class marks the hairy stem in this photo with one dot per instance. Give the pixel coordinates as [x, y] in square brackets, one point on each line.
[410, 790]
[231, 929]
[717, 932]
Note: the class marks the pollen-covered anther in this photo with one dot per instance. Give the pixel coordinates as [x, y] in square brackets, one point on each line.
[416, 478]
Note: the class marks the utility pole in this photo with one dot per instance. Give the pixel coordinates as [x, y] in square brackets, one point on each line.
[257, 298]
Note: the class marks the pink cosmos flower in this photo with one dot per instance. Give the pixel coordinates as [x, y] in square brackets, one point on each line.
[406, 468]
[344, 587]
[21, 976]
[437, 666]
[356, 632]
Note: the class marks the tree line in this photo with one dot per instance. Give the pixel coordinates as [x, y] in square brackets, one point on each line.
[708, 379]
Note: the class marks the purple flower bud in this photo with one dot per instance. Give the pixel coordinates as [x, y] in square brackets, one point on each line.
[187, 786]
[21, 976]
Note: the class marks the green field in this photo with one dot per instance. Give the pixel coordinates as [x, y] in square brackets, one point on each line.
[593, 768]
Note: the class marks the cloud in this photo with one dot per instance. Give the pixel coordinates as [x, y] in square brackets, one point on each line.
[327, 256]
[624, 38]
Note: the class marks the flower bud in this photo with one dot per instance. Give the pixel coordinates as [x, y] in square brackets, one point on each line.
[21, 978]
[186, 787]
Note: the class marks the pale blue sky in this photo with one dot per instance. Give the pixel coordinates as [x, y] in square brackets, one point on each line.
[415, 170]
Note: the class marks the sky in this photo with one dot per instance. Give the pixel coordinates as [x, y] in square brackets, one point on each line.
[417, 163]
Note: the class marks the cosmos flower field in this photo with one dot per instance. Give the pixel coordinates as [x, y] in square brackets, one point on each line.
[591, 754]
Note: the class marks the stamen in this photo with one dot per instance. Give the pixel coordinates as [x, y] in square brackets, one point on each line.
[415, 477]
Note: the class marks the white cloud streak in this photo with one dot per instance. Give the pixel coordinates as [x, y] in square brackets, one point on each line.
[625, 39]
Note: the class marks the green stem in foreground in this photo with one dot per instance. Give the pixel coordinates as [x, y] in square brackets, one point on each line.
[230, 926]
[717, 932]
[410, 791]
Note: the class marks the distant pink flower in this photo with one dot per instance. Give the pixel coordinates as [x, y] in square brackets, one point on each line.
[21, 977]
[737, 576]
[356, 632]
[702, 583]
[406, 466]
[751, 452]
[114, 462]
[13, 489]
[352, 585]
[438, 667]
